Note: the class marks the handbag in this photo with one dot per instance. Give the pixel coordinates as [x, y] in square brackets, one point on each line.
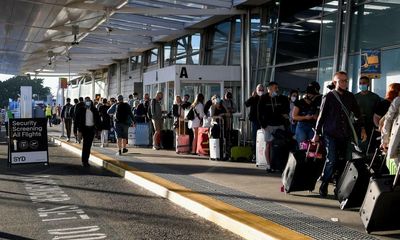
[350, 119]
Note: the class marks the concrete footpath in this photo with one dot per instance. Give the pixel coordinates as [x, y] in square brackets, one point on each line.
[234, 195]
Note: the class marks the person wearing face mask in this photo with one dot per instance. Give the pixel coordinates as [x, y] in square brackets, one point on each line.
[293, 97]
[273, 115]
[367, 101]
[87, 120]
[305, 113]
[252, 102]
[334, 126]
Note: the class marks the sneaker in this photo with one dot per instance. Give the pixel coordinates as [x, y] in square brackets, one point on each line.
[156, 148]
[119, 153]
[124, 150]
[68, 140]
[101, 145]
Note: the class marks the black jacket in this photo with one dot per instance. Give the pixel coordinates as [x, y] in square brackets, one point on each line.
[80, 117]
[332, 120]
[272, 110]
[252, 102]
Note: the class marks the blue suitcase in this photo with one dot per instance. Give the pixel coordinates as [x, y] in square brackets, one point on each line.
[142, 134]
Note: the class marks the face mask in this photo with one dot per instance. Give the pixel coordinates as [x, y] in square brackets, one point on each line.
[274, 94]
[260, 93]
[88, 103]
[363, 87]
[293, 99]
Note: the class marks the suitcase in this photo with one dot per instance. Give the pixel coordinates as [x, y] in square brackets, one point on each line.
[182, 141]
[217, 144]
[240, 153]
[203, 142]
[142, 133]
[279, 154]
[216, 153]
[352, 185]
[167, 139]
[381, 208]
[131, 136]
[261, 149]
[301, 173]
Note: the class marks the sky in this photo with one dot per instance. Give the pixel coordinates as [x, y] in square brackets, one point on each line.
[51, 82]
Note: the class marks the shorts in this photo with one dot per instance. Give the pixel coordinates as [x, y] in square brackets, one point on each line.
[157, 124]
[121, 130]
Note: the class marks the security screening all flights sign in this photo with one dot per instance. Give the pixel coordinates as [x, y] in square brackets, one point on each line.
[28, 141]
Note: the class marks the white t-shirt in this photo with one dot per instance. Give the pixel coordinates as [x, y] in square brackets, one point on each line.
[195, 123]
[89, 121]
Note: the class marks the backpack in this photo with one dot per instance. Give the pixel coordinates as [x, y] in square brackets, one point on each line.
[120, 114]
[140, 110]
[190, 114]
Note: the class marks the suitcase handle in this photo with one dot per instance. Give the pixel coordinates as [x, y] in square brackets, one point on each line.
[316, 150]
[396, 178]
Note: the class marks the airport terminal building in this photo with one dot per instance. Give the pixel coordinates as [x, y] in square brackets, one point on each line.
[290, 42]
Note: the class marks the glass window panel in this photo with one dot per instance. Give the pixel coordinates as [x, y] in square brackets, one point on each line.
[235, 54]
[182, 46]
[374, 26]
[299, 41]
[167, 52]
[235, 45]
[255, 33]
[194, 59]
[181, 60]
[154, 56]
[296, 76]
[267, 49]
[325, 72]
[196, 38]
[294, 11]
[220, 34]
[269, 19]
[328, 35]
[218, 56]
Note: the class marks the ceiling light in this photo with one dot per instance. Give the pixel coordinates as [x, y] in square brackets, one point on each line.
[375, 7]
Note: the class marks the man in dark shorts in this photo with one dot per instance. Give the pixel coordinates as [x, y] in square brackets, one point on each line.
[123, 118]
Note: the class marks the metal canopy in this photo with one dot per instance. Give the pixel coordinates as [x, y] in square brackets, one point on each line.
[37, 35]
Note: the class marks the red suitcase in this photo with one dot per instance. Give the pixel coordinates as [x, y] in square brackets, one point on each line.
[203, 142]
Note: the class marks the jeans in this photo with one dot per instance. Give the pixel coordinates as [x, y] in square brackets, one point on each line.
[254, 127]
[338, 153]
[304, 131]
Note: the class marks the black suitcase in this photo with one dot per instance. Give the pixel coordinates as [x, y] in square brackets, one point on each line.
[381, 209]
[353, 183]
[167, 139]
[279, 154]
[301, 173]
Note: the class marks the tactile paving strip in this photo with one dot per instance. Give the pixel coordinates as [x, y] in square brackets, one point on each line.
[308, 225]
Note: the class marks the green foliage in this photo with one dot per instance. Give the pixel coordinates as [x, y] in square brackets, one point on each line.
[12, 87]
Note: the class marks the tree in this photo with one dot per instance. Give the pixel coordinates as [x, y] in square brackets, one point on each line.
[12, 87]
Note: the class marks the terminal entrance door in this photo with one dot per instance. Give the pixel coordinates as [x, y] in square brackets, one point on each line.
[207, 89]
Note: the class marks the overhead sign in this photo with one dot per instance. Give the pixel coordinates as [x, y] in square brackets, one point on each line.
[371, 63]
[28, 141]
[63, 82]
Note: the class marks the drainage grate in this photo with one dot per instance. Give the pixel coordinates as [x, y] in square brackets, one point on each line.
[308, 225]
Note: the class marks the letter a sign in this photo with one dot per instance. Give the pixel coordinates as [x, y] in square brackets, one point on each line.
[183, 73]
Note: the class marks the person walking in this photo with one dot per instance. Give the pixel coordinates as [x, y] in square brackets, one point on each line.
[367, 101]
[49, 114]
[79, 103]
[252, 102]
[391, 136]
[157, 120]
[123, 118]
[105, 125]
[87, 120]
[66, 118]
[333, 124]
